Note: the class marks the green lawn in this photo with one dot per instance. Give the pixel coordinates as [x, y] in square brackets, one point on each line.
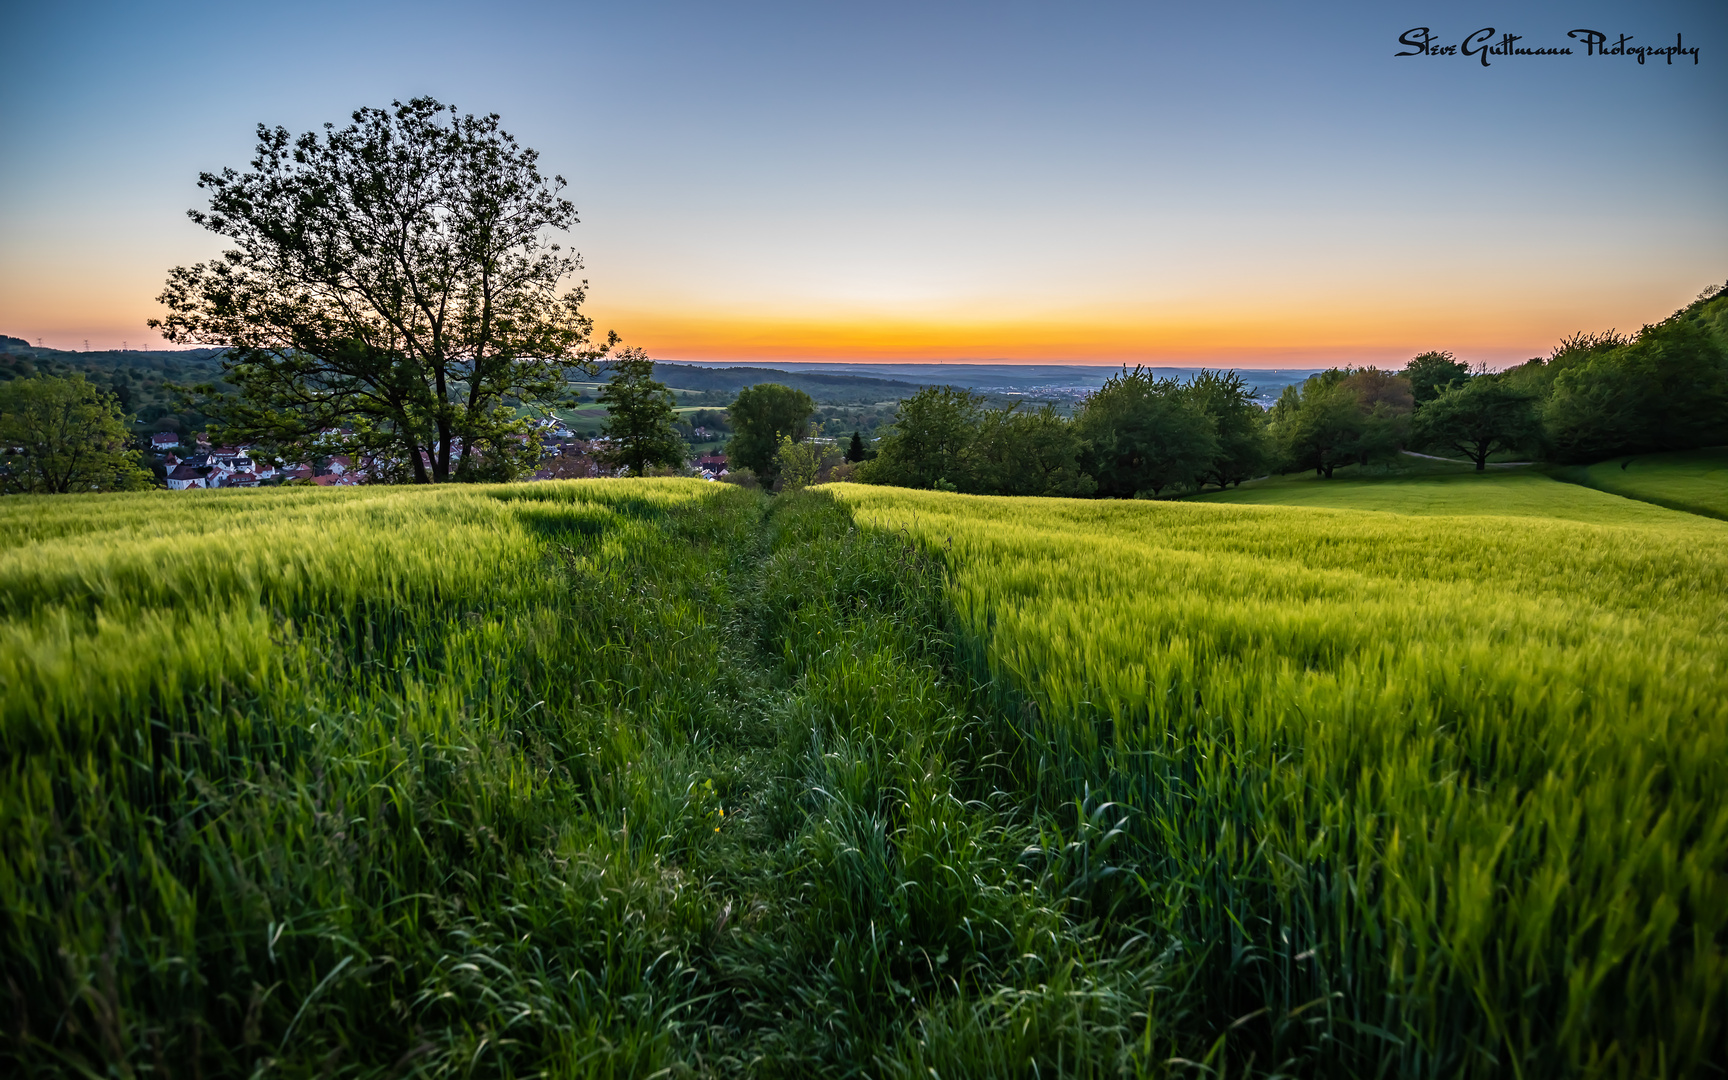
[1691, 480]
[1520, 493]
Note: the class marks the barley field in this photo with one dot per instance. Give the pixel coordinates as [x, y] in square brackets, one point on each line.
[664, 778]
[1420, 794]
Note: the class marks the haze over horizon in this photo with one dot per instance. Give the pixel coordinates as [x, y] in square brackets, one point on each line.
[1248, 186]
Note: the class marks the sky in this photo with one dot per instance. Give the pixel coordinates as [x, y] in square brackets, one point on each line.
[1232, 184]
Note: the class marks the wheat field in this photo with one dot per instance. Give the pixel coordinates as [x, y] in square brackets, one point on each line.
[638, 778]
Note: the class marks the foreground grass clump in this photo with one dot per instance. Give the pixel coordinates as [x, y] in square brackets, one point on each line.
[1692, 480]
[309, 781]
[1404, 795]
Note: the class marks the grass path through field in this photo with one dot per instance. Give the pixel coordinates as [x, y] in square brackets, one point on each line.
[596, 778]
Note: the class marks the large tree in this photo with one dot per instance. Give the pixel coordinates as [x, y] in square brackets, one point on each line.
[1318, 425]
[761, 415]
[1431, 372]
[639, 416]
[1479, 417]
[1244, 451]
[1386, 400]
[394, 288]
[1145, 435]
[933, 439]
[1021, 452]
[59, 436]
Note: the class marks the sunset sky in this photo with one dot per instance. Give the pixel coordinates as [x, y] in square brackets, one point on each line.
[1254, 185]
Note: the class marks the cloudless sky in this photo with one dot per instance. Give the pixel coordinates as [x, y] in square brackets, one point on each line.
[1251, 184]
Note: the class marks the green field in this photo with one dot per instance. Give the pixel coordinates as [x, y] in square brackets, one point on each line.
[1436, 794]
[1692, 480]
[657, 777]
[1513, 493]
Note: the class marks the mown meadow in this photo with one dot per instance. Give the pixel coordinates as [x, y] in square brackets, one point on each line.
[1692, 480]
[652, 777]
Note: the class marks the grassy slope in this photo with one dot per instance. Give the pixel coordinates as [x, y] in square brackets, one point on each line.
[1458, 778]
[1690, 480]
[1513, 493]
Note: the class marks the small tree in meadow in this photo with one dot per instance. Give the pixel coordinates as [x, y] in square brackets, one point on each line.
[639, 416]
[798, 463]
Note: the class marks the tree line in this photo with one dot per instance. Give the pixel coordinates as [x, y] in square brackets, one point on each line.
[1593, 397]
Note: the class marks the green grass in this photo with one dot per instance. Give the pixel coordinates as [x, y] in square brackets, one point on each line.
[1692, 480]
[587, 778]
[1512, 493]
[1412, 795]
[658, 777]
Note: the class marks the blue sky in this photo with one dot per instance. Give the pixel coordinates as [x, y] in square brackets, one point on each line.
[1255, 184]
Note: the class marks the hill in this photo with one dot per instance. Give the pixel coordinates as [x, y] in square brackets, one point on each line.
[141, 379]
[1692, 480]
[1457, 490]
[824, 387]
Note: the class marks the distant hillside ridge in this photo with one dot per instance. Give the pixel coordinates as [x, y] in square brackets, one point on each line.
[143, 380]
[816, 384]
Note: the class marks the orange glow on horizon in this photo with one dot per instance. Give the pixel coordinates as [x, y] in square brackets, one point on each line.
[1085, 337]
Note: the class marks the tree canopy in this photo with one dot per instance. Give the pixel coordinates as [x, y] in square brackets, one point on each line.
[1665, 389]
[639, 416]
[932, 439]
[1144, 435]
[1239, 424]
[1480, 416]
[1431, 372]
[64, 435]
[762, 415]
[394, 284]
[1341, 416]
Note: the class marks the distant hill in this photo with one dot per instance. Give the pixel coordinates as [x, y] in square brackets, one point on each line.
[823, 386]
[139, 378]
[1060, 381]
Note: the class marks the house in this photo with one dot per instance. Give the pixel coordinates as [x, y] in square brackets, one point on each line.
[336, 480]
[164, 440]
[711, 461]
[186, 476]
[240, 479]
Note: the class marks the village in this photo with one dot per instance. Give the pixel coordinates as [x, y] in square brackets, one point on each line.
[192, 462]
